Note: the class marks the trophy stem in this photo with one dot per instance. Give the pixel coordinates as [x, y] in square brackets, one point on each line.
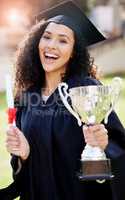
[92, 153]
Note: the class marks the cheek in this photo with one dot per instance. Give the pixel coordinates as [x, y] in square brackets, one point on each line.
[67, 52]
[42, 45]
[41, 49]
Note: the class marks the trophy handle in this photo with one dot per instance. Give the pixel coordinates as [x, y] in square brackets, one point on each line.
[64, 95]
[115, 91]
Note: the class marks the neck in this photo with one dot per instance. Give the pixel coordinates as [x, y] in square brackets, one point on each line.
[52, 81]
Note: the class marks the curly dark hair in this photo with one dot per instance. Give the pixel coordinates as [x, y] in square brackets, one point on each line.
[28, 68]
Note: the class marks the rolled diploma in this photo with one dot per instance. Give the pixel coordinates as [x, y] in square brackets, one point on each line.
[10, 100]
[9, 93]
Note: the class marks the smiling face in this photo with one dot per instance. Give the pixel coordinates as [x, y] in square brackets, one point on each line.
[56, 47]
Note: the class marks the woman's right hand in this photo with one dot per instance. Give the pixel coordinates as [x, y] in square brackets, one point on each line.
[16, 143]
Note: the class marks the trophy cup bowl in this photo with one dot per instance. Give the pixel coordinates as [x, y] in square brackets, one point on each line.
[91, 105]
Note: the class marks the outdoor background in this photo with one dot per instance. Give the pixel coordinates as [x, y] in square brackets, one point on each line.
[16, 18]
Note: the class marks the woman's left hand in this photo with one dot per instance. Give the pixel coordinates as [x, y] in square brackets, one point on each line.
[96, 135]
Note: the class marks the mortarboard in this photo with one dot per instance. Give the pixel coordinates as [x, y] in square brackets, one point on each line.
[70, 14]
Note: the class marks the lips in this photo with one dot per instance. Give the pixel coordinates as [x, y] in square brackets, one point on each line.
[49, 58]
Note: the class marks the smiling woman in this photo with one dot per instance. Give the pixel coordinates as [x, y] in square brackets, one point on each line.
[47, 143]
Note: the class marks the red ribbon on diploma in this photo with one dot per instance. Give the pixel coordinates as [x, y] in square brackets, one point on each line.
[11, 115]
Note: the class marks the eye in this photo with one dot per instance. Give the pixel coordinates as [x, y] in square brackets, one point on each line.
[63, 41]
[46, 37]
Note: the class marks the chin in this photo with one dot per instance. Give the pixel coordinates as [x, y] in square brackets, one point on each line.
[51, 68]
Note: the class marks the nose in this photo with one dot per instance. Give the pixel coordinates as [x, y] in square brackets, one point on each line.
[52, 44]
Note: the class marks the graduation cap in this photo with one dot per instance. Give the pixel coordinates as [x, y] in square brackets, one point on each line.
[69, 13]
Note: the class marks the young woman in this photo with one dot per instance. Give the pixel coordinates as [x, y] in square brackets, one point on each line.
[47, 143]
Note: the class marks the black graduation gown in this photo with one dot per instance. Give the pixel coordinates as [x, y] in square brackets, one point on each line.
[56, 143]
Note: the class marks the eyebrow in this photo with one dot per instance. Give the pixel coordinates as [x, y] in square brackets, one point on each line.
[61, 35]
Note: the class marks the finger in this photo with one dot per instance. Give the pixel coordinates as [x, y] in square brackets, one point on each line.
[102, 141]
[11, 132]
[105, 131]
[12, 148]
[90, 138]
[17, 131]
[96, 127]
[101, 134]
[13, 138]
[13, 143]
[86, 131]
[20, 135]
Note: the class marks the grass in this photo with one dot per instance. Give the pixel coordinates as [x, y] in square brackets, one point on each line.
[5, 169]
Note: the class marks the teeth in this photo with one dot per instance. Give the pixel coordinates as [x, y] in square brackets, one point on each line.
[51, 55]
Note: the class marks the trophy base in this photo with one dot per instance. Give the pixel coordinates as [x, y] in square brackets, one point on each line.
[98, 178]
[95, 170]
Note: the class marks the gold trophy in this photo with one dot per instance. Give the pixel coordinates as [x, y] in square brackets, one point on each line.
[91, 105]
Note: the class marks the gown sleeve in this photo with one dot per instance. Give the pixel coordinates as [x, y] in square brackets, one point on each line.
[116, 152]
